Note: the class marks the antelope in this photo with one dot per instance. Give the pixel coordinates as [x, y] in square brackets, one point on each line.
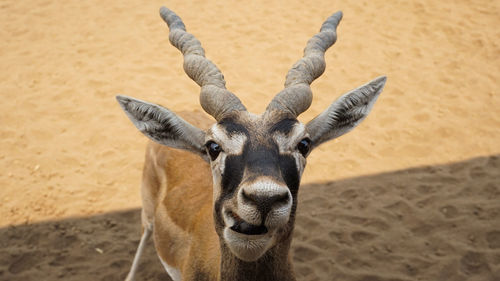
[225, 209]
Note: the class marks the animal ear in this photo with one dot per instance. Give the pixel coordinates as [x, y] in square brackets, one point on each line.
[163, 126]
[345, 113]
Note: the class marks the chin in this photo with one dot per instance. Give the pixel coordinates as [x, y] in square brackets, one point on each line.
[248, 248]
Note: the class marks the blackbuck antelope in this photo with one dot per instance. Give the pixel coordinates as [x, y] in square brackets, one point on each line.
[226, 210]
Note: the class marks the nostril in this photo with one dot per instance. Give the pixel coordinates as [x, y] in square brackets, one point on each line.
[282, 198]
[249, 197]
[278, 199]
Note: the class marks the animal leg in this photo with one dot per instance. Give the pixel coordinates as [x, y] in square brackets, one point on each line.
[140, 250]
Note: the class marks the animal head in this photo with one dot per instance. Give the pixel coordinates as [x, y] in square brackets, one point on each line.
[257, 161]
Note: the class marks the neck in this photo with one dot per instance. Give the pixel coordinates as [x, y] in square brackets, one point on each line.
[273, 266]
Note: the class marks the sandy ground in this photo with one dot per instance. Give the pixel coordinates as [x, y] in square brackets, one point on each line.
[412, 194]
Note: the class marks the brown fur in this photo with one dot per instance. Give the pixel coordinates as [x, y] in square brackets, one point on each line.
[178, 201]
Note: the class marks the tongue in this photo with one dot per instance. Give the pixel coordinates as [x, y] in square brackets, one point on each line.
[248, 229]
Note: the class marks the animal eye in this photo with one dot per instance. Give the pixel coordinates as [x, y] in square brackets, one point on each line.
[213, 149]
[304, 146]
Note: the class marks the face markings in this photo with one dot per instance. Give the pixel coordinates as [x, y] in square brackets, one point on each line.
[284, 126]
[290, 173]
[262, 160]
[231, 127]
[232, 175]
[255, 148]
[286, 132]
[232, 143]
[259, 148]
[228, 168]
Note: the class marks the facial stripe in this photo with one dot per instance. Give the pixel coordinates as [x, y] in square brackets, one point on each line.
[290, 173]
[232, 175]
[284, 126]
[232, 127]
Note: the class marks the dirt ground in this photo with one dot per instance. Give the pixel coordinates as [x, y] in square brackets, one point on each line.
[412, 194]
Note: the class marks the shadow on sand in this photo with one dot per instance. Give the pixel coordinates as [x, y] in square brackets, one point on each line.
[429, 223]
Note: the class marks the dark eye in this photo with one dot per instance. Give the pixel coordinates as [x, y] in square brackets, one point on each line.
[213, 149]
[304, 146]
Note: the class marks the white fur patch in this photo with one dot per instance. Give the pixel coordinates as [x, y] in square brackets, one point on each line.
[218, 167]
[248, 247]
[287, 143]
[231, 144]
[300, 161]
[174, 273]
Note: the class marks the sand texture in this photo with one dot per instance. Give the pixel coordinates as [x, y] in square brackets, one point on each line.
[412, 194]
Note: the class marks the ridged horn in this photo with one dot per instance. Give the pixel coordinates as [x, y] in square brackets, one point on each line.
[296, 97]
[215, 99]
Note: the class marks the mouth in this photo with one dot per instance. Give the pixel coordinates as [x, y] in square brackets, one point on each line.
[246, 228]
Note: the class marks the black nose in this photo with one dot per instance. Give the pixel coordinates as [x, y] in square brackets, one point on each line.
[265, 201]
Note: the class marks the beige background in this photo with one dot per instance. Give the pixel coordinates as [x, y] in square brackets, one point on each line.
[67, 149]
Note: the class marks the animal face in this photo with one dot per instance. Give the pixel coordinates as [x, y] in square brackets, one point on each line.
[257, 162]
